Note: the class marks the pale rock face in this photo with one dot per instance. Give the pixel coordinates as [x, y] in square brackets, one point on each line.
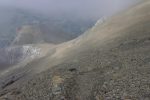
[30, 52]
[14, 55]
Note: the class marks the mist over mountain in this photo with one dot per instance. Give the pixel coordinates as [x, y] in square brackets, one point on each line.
[59, 22]
[80, 8]
[54, 29]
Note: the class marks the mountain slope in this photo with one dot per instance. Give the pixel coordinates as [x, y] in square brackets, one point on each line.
[109, 62]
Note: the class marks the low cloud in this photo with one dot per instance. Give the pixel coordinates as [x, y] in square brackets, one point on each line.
[83, 8]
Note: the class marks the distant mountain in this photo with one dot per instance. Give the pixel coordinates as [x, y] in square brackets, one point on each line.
[54, 29]
[34, 34]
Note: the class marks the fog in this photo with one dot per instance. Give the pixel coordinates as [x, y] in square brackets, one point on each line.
[80, 8]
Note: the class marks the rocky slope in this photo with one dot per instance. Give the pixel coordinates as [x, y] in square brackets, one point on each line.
[109, 62]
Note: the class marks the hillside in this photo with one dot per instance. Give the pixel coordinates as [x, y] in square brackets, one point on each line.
[109, 62]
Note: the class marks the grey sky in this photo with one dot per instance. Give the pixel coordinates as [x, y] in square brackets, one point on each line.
[91, 8]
